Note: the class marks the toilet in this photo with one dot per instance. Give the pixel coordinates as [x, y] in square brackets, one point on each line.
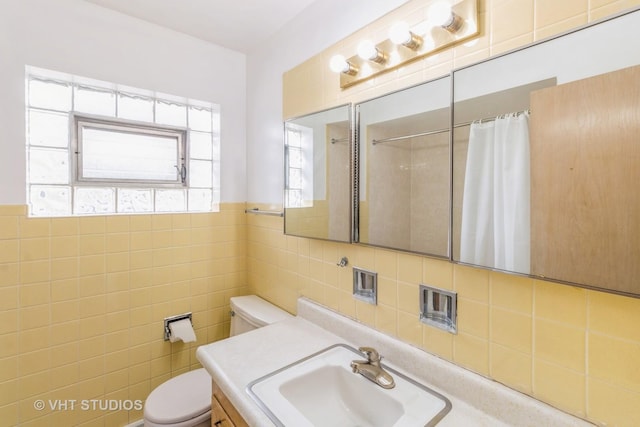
[185, 400]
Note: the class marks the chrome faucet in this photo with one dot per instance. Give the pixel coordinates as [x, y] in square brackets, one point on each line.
[371, 369]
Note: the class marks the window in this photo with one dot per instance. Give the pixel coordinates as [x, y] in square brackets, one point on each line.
[298, 177]
[108, 151]
[96, 148]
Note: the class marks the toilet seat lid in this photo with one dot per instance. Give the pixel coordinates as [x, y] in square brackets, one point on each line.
[179, 399]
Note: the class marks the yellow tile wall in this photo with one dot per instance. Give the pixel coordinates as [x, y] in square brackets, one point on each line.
[82, 302]
[575, 349]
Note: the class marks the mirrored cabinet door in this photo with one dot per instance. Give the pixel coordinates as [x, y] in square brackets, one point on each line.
[318, 175]
[546, 159]
[404, 171]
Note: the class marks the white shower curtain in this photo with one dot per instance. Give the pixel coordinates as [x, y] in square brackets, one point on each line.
[495, 206]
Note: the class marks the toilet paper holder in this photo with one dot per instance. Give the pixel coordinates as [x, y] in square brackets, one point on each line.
[168, 320]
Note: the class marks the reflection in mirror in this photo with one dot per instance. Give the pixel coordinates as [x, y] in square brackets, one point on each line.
[318, 197]
[545, 159]
[404, 169]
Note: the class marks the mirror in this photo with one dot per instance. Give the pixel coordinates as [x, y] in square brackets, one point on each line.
[546, 159]
[404, 171]
[318, 196]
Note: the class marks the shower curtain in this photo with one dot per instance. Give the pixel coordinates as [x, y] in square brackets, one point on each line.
[495, 205]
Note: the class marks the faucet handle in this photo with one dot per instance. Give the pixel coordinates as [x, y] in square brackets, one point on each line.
[371, 353]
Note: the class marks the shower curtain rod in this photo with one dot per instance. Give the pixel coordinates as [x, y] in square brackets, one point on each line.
[434, 132]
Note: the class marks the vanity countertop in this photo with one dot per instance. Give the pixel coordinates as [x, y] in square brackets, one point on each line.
[236, 361]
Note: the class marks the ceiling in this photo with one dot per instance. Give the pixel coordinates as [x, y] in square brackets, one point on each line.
[234, 24]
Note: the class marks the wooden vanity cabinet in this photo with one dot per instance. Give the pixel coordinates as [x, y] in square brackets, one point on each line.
[223, 413]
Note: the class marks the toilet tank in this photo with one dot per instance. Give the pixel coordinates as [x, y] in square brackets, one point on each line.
[251, 312]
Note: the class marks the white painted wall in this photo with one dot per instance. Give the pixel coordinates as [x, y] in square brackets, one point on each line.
[316, 28]
[80, 38]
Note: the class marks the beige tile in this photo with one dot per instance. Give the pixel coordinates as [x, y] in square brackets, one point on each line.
[561, 387]
[437, 273]
[34, 317]
[511, 367]
[33, 362]
[437, 341]
[34, 339]
[33, 249]
[562, 303]
[9, 414]
[560, 344]
[92, 244]
[8, 321]
[64, 354]
[65, 311]
[473, 318]
[614, 315]
[561, 26]
[471, 283]
[410, 328]
[65, 333]
[472, 353]
[9, 274]
[65, 246]
[64, 226]
[8, 298]
[9, 251]
[8, 368]
[8, 344]
[92, 285]
[510, 19]
[511, 329]
[614, 360]
[511, 292]
[548, 12]
[35, 271]
[117, 224]
[92, 224]
[64, 269]
[386, 263]
[408, 297]
[8, 227]
[34, 227]
[409, 268]
[386, 320]
[611, 405]
[62, 290]
[91, 265]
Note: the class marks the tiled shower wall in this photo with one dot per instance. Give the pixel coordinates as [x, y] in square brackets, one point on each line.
[82, 302]
[573, 348]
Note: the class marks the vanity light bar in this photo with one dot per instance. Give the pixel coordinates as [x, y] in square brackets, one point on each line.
[446, 25]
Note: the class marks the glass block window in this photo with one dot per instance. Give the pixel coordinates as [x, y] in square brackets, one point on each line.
[298, 151]
[96, 148]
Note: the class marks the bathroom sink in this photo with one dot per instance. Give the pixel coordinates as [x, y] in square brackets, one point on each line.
[321, 390]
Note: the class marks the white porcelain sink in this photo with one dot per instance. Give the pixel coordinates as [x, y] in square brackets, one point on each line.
[321, 390]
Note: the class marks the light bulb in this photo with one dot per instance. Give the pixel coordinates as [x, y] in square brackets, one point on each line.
[369, 52]
[440, 13]
[338, 64]
[399, 33]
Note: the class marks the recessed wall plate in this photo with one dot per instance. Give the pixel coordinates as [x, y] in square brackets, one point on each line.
[439, 308]
[365, 285]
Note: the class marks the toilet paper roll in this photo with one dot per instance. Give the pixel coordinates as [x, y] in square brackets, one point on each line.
[182, 330]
